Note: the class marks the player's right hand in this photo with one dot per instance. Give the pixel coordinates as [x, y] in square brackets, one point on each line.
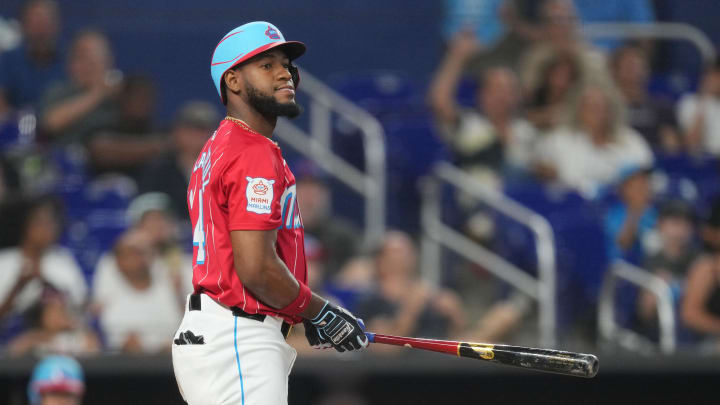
[337, 327]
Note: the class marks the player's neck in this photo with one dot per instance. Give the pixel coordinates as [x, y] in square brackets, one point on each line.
[256, 121]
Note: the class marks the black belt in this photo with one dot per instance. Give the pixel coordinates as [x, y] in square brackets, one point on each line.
[195, 305]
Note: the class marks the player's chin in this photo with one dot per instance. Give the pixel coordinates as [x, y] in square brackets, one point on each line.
[289, 109]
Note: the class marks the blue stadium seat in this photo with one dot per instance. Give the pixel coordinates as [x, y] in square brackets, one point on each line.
[379, 92]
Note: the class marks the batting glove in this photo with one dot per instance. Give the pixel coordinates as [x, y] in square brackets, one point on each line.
[336, 327]
[313, 336]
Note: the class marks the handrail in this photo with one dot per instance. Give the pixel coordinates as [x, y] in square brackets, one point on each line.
[316, 145]
[660, 30]
[437, 234]
[608, 327]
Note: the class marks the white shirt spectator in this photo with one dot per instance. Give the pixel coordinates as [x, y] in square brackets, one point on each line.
[57, 266]
[475, 133]
[152, 314]
[689, 107]
[587, 167]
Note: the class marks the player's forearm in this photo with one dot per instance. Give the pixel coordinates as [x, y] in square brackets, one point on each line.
[276, 287]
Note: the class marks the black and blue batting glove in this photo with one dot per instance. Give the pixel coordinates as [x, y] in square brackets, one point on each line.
[336, 327]
[313, 336]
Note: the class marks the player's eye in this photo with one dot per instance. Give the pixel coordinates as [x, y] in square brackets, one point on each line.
[286, 66]
[266, 66]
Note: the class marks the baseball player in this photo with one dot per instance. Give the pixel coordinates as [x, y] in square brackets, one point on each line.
[249, 270]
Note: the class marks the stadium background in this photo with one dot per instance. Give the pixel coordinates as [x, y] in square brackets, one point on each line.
[352, 47]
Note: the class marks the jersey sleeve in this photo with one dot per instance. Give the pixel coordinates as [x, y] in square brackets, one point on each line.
[253, 184]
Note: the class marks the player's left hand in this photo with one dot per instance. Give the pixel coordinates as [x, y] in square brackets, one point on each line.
[339, 328]
[313, 336]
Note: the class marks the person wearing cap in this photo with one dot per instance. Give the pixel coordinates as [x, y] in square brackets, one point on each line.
[249, 266]
[134, 297]
[170, 173]
[152, 214]
[56, 380]
[630, 220]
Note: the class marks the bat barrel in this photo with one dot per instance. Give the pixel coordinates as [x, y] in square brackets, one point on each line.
[553, 361]
[547, 360]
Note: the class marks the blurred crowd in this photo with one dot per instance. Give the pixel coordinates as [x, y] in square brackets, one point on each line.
[94, 226]
[578, 118]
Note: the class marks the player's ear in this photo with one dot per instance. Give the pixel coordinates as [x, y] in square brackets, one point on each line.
[232, 81]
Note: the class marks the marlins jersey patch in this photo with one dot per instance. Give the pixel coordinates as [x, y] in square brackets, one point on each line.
[259, 194]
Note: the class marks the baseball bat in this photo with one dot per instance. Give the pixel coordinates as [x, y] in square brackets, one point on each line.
[546, 360]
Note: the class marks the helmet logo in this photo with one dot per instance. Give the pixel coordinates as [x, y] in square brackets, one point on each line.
[272, 33]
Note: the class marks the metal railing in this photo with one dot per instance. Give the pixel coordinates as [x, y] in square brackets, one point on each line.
[436, 235]
[612, 332]
[658, 30]
[315, 144]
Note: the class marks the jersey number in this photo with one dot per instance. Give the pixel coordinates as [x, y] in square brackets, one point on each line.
[199, 232]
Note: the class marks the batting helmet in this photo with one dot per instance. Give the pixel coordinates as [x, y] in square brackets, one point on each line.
[55, 374]
[246, 41]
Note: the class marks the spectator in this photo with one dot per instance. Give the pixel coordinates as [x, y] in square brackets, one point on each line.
[700, 309]
[151, 213]
[674, 255]
[491, 137]
[482, 17]
[36, 263]
[131, 140]
[170, 173]
[503, 29]
[27, 70]
[652, 117]
[548, 98]
[589, 154]
[54, 328]
[403, 304]
[9, 180]
[134, 297]
[72, 111]
[629, 222]
[337, 240]
[560, 37]
[699, 114]
[611, 11]
[56, 380]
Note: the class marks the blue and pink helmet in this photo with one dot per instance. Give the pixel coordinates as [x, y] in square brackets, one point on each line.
[55, 374]
[246, 41]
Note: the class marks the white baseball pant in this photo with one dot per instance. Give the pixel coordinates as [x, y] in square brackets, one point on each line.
[241, 362]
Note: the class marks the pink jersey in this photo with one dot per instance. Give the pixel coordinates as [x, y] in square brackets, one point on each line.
[241, 182]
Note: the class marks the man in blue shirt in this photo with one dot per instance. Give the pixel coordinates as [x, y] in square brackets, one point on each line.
[629, 222]
[26, 71]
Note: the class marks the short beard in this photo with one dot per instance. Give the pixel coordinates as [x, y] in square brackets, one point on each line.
[269, 107]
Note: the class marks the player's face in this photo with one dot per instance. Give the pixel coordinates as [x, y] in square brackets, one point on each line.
[57, 398]
[268, 84]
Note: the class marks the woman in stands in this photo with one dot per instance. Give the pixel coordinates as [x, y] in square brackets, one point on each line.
[700, 309]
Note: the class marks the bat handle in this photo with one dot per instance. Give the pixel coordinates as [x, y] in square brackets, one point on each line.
[370, 335]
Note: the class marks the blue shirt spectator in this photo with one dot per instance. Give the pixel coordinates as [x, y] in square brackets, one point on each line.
[23, 80]
[28, 70]
[606, 11]
[629, 221]
[480, 16]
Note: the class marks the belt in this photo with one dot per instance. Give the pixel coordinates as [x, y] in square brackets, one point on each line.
[195, 305]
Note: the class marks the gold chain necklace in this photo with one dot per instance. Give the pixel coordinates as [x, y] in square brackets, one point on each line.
[240, 122]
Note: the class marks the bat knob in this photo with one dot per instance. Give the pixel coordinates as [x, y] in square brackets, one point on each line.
[370, 335]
